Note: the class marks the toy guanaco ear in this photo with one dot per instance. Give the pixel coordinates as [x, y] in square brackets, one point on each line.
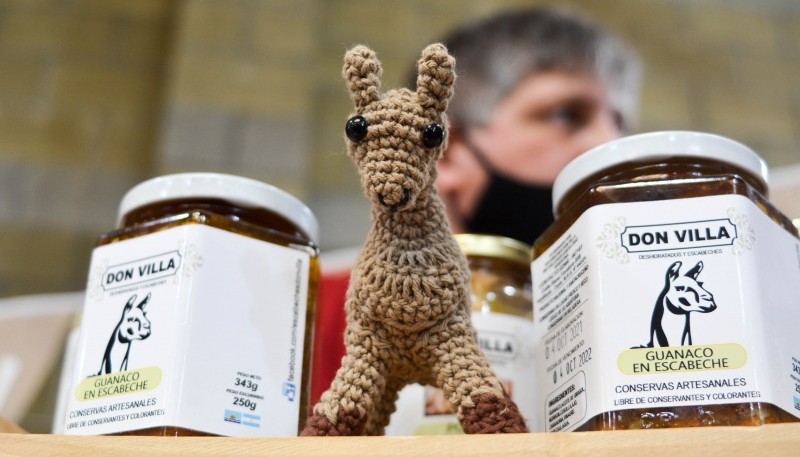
[436, 74]
[362, 71]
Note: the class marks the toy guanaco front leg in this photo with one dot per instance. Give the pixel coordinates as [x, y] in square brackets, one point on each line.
[470, 385]
[384, 407]
[345, 407]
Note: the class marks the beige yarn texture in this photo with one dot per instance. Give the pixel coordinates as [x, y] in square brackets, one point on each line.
[408, 310]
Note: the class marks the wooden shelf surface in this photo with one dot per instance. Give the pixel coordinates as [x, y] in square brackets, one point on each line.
[777, 440]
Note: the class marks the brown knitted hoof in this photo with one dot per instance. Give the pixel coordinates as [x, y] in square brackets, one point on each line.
[492, 414]
[347, 424]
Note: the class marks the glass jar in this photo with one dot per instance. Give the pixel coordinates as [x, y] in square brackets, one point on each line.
[666, 292]
[499, 278]
[502, 314]
[198, 313]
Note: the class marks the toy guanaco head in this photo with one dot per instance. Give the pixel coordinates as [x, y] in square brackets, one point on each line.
[396, 138]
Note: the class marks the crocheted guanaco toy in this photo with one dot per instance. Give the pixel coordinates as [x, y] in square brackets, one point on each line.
[408, 310]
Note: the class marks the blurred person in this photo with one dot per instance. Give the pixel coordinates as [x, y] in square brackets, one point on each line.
[534, 89]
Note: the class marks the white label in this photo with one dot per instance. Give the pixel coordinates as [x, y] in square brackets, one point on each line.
[191, 327]
[666, 303]
[507, 343]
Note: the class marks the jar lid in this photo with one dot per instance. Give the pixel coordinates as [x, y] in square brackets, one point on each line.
[657, 145]
[494, 246]
[235, 189]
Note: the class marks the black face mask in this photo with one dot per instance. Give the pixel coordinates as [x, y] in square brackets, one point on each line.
[509, 207]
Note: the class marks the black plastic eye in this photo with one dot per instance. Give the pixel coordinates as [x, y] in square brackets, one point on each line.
[432, 135]
[356, 128]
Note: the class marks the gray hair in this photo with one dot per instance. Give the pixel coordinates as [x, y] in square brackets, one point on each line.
[495, 54]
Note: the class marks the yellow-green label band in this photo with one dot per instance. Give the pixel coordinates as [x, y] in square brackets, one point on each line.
[113, 384]
[679, 359]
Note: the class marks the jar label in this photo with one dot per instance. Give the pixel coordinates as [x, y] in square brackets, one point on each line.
[192, 327]
[663, 304]
[507, 343]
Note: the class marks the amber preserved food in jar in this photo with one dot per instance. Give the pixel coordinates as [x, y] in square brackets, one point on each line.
[500, 292]
[198, 314]
[499, 274]
[666, 290]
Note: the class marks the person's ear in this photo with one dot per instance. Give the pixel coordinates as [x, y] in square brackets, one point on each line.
[453, 179]
[457, 175]
[448, 165]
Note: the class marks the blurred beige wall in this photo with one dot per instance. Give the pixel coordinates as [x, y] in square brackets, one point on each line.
[96, 95]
